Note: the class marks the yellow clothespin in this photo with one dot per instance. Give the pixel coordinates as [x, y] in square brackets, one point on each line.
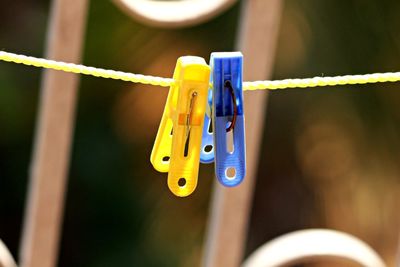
[178, 142]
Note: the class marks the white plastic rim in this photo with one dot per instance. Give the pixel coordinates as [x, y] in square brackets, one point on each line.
[315, 244]
[176, 13]
[6, 259]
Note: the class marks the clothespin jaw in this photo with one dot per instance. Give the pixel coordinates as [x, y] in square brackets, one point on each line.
[178, 141]
[228, 118]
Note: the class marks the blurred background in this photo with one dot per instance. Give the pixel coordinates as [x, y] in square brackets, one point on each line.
[329, 156]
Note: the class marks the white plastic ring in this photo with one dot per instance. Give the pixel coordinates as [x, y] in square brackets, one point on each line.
[6, 259]
[177, 13]
[315, 244]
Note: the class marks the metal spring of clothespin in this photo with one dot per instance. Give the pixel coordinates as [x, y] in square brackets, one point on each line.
[177, 146]
[224, 142]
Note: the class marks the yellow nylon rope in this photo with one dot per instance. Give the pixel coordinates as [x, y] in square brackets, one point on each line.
[323, 81]
[81, 69]
[166, 82]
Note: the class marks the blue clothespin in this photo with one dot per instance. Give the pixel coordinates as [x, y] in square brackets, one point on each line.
[227, 120]
[207, 141]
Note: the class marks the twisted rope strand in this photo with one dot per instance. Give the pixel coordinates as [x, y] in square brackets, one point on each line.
[323, 81]
[81, 69]
[166, 82]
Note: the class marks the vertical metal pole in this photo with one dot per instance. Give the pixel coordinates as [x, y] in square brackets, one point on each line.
[48, 177]
[230, 208]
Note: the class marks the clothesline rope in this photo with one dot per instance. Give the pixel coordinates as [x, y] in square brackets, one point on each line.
[166, 82]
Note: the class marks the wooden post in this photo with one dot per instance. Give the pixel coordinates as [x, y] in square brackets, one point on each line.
[227, 227]
[43, 216]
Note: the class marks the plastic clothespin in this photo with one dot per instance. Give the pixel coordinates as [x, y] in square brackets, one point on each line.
[177, 146]
[227, 147]
[207, 142]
